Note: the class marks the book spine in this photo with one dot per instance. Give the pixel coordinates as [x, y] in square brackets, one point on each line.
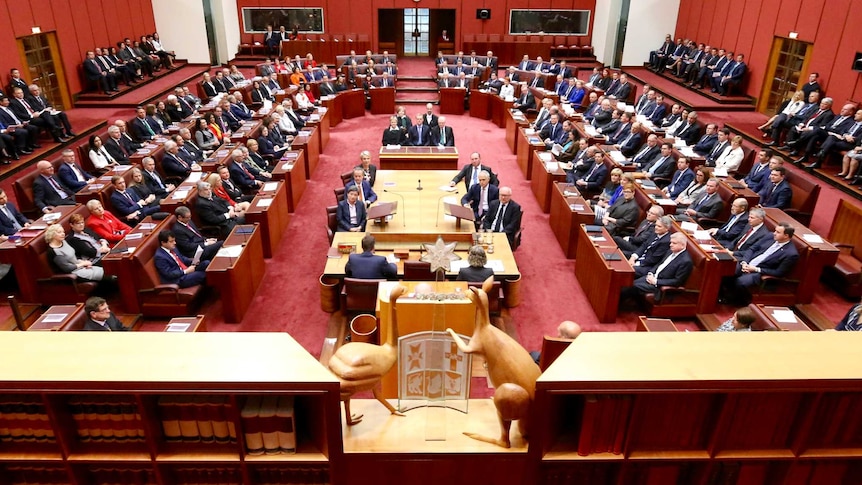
[188, 421]
[205, 425]
[269, 424]
[588, 422]
[170, 419]
[251, 426]
[217, 411]
[286, 424]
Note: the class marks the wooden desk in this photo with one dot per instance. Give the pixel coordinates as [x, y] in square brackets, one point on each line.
[511, 51]
[155, 148]
[480, 104]
[765, 319]
[272, 218]
[648, 196]
[418, 158]
[422, 315]
[196, 324]
[309, 142]
[541, 93]
[120, 263]
[353, 103]
[184, 194]
[102, 188]
[729, 189]
[291, 169]
[250, 129]
[382, 101]
[526, 145]
[499, 107]
[237, 279]
[712, 271]
[514, 121]
[568, 212]
[335, 107]
[544, 178]
[320, 119]
[646, 324]
[70, 314]
[602, 280]
[452, 100]
[421, 210]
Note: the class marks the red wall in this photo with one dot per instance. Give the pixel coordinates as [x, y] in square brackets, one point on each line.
[80, 26]
[360, 16]
[749, 26]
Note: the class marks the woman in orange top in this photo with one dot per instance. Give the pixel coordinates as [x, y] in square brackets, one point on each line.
[297, 77]
[213, 126]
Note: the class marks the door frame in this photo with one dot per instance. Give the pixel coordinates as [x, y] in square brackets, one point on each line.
[772, 65]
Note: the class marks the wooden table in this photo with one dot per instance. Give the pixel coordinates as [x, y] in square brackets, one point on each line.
[184, 194]
[499, 108]
[421, 210]
[309, 142]
[514, 120]
[353, 103]
[195, 324]
[602, 280]
[540, 93]
[526, 145]
[335, 107]
[320, 119]
[647, 324]
[480, 104]
[237, 279]
[382, 101]
[269, 210]
[69, 313]
[713, 270]
[418, 158]
[568, 212]
[543, 180]
[291, 169]
[765, 319]
[452, 100]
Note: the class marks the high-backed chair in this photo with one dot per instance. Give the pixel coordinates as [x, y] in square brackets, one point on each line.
[845, 276]
[805, 194]
[359, 296]
[339, 194]
[346, 177]
[418, 271]
[331, 222]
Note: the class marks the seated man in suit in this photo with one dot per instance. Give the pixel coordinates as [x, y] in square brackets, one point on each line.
[419, 135]
[645, 232]
[732, 229]
[673, 270]
[470, 173]
[480, 196]
[140, 127]
[351, 214]
[367, 265]
[504, 215]
[71, 174]
[129, 205]
[552, 133]
[776, 192]
[40, 103]
[476, 271]
[429, 118]
[215, 211]
[652, 251]
[189, 238]
[595, 176]
[776, 259]
[366, 193]
[662, 165]
[525, 101]
[100, 317]
[48, 190]
[174, 268]
[153, 180]
[680, 179]
[174, 165]
[11, 219]
[753, 236]
[442, 135]
[393, 135]
[707, 205]
[707, 142]
[760, 170]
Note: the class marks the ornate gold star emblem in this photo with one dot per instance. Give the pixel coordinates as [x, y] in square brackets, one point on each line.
[439, 254]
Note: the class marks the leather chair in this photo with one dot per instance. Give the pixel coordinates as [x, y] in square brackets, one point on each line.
[331, 222]
[681, 301]
[418, 271]
[845, 276]
[347, 177]
[339, 194]
[23, 314]
[359, 296]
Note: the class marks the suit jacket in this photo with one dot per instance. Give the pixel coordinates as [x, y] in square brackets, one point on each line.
[115, 149]
[153, 184]
[474, 197]
[212, 211]
[755, 180]
[679, 181]
[394, 137]
[44, 194]
[780, 197]
[436, 136]
[431, 121]
[556, 133]
[755, 240]
[6, 226]
[112, 322]
[677, 272]
[175, 166]
[629, 144]
[92, 69]
[367, 265]
[665, 170]
[414, 132]
[67, 175]
[646, 154]
[707, 208]
[124, 206]
[705, 144]
[470, 273]
[140, 129]
[238, 176]
[778, 264]
[233, 191]
[168, 269]
[187, 241]
[626, 213]
[657, 113]
[466, 174]
[689, 133]
[511, 222]
[652, 252]
[623, 91]
[526, 100]
[367, 191]
[342, 215]
[595, 176]
[727, 235]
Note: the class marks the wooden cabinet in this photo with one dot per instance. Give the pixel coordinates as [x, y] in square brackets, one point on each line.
[161, 408]
[696, 408]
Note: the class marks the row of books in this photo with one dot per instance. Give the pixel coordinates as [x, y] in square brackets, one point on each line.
[603, 423]
[26, 475]
[287, 476]
[120, 476]
[268, 424]
[191, 419]
[23, 419]
[673, 422]
[196, 476]
[106, 418]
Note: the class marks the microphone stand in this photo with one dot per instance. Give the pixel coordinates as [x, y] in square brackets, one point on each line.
[440, 199]
[419, 184]
[403, 207]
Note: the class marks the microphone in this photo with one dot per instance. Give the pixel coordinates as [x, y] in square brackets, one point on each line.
[403, 208]
[419, 185]
[440, 199]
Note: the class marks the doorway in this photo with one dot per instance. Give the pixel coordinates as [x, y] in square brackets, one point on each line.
[416, 32]
[41, 64]
[788, 59]
[413, 32]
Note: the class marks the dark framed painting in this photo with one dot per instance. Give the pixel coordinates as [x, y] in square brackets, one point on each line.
[561, 22]
[304, 20]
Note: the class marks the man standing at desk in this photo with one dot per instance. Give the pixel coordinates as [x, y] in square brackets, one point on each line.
[480, 196]
[504, 215]
[367, 265]
[100, 317]
[350, 215]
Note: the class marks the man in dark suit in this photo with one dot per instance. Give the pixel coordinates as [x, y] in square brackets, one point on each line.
[419, 135]
[153, 180]
[673, 270]
[272, 41]
[842, 141]
[351, 214]
[761, 169]
[680, 179]
[48, 190]
[173, 165]
[233, 190]
[215, 211]
[785, 123]
[11, 219]
[129, 205]
[71, 174]
[645, 232]
[629, 142]
[653, 250]
[776, 260]
[174, 268]
[100, 317]
[553, 133]
[429, 118]
[834, 129]
[470, 173]
[326, 87]
[595, 176]
[525, 101]
[753, 236]
[649, 151]
[238, 106]
[140, 128]
[442, 135]
[689, 130]
[708, 204]
[94, 72]
[819, 117]
[480, 196]
[776, 192]
[367, 265]
[707, 142]
[59, 120]
[623, 90]
[662, 165]
[731, 75]
[504, 215]
[189, 238]
[730, 231]
[24, 134]
[366, 192]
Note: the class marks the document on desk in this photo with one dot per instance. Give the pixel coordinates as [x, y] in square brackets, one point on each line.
[689, 226]
[134, 235]
[812, 238]
[784, 316]
[177, 327]
[270, 186]
[229, 252]
[264, 202]
[617, 156]
[194, 177]
[147, 226]
[179, 194]
[446, 188]
[54, 317]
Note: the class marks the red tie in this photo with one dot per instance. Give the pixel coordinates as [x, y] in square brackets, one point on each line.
[194, 230]
[29, 109]
[179, 261]
[742, 241]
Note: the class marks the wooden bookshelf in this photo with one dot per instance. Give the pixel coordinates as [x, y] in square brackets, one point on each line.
[700, 408]
[79, 408]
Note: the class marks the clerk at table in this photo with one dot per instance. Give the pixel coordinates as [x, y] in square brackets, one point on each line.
[100, 318]
[367, 265]
[504, 215]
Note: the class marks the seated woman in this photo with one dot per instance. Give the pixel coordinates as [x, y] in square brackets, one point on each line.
[204, 137]
[369, 170]
[477, 270]
[258, 93]
[576, 97]
[268, 147]
[740, 321]
[105, 224]
[162, 114]
[151, 111]
[99, 155]
[850, 322]
[731, 159]
[215, 180]
[236, 75]
[309, 94]
[788, 108]
[850, 162]
[612, 191]
[139, 186]
[303, 103]
[62, 256]
[297, 77]
[86, 243]
[694, 189]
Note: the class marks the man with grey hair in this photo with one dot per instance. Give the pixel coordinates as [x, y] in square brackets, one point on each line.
[215, 211]
[504, 215]
[673, 270]
[652, 251]
[732, 229]
[173, 164]
[126, 139]
[189, 237]
[239, 172]
[190, 145]
[819, 117]
[480, 196]
[115, 146]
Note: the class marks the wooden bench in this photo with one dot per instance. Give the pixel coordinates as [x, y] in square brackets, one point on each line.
[813, 317]
[805, 194]
[708, 321]
[683, 301]
[845, 276]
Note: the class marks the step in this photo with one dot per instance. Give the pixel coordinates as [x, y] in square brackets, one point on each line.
[415, 89]
[416, 78]
[417, 101]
